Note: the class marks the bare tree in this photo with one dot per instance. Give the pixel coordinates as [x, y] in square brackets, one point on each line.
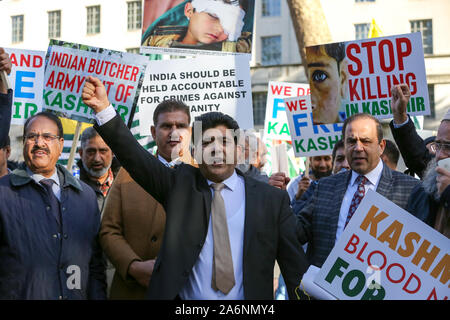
[310, 25]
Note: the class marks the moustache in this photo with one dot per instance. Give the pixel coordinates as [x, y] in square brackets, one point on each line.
[35, 149]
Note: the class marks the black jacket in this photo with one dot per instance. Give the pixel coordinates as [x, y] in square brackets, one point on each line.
[269, 230]
[5, 116]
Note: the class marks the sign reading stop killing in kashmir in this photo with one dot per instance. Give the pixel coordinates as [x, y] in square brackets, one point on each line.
[204, 83]
[357, 77]
[308, 139]
[387, 253]
[27, 79]
[67, 67]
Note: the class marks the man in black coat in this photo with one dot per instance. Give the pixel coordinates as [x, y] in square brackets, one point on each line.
[259, 220]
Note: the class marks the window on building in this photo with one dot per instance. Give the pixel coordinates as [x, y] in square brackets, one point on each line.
[271, 8]
[134, 15]
[17, 29]
[362, 30]
[271, 50]
[432, 104]
[259, 107]
[426, 28]
[54, 24]
[133, 50]
[93, 20]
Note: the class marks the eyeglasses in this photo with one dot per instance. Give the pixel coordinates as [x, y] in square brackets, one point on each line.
[442, 147]
[47, 137]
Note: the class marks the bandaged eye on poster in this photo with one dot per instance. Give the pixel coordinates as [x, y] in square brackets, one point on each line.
[385, 253]
[27, 79]
[308, 139]
[67, 66]
[275, 123]
[204, 84]
[357, 77]
[214, 25]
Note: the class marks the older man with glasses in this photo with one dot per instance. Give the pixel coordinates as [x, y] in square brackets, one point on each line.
[49, 224]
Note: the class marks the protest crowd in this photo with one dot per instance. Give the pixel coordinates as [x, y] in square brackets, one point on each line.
[200, 219]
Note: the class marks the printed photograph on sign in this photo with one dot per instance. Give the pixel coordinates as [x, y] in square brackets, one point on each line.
[213, 25]
[27, 80]
[67, 65]
[357, 77]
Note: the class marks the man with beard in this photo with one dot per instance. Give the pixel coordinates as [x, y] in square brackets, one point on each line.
[97, 166]
[430, 200]
[336, 198]
[49, 224]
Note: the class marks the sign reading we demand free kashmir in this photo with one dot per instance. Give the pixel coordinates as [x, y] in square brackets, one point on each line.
[276, 123]
[68, 65]
[308, 139]
[203, 83]
[385, 253]
[27, 78]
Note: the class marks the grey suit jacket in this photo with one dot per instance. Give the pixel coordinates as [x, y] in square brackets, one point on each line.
[318, 220]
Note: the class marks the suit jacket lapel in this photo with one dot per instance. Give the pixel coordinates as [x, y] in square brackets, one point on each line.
[251, 208]
[341, 189]
[385, 185]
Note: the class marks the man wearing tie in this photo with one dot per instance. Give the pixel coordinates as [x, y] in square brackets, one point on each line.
[224, 230]
[336, 198]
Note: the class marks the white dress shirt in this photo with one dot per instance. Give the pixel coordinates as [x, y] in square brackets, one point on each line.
[373, 177]
[198, 286]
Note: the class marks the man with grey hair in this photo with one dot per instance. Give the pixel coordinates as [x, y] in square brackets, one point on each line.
[97, 166]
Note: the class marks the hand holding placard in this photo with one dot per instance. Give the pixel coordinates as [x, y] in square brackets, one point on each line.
[400, 98]
[94, 94]
[5, 69]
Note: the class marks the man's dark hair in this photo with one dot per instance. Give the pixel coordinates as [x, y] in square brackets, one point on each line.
[362, 116]
[391, 152]
[213, 119]
[334, 50]
[170, 106]
[6, 143]
[338, 145]
[49, 115]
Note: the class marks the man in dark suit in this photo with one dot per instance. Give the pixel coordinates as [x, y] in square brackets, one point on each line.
[258, 226]
[5, 98]
[335, 199]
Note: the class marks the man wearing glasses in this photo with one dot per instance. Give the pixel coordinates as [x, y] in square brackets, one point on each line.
[430, 200]
[49, 224]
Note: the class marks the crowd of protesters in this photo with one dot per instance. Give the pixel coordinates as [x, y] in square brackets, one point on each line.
[198, 220]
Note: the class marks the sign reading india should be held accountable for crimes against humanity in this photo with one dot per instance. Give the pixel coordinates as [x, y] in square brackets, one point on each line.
[27, 81]
[203, 83]
[309, 140]
[366, 74]
[67, 66]
[276, 124]
[387, 253]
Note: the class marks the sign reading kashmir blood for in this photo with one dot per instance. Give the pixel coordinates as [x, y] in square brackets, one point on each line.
[203, 83]
[367, 73]
[27, 78]
[308, 139]
[68, 66]
[387, 253]
[276, 123]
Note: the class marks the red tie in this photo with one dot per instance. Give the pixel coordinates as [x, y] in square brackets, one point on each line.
[357, 197]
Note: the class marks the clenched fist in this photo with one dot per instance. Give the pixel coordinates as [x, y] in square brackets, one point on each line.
[94, 94]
